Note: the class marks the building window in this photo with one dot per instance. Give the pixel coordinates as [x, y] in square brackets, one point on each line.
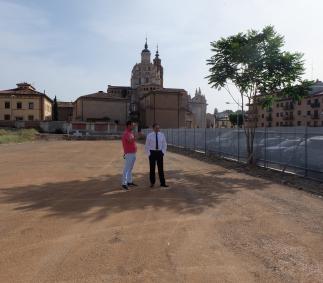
[299, 123]
[7, 117]
[19, 118]
[31, 117]
[31, 105]
[299, 102]
[19, 105]
[309, 113]
[281, 114]
[277, 124]
[277, 104]
[309, 102]
[262, 116]
[277, 114]
[308, 123]
[281, 104]
[262, 124]
[322, 123]
[315, 124]
[299, 112]
[147, 80]
[281, 123]
[7, 105]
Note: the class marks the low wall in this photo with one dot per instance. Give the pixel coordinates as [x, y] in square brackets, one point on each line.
[70, 128]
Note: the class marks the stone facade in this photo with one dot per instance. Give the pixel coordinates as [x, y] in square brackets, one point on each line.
[222, 120]
[65, 111]
[25, 103]
[101, 106]
[168, 107]
[197, 105]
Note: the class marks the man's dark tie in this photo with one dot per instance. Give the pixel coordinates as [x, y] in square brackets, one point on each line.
[156, 141]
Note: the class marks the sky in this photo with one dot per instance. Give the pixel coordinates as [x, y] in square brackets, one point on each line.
[71, 48]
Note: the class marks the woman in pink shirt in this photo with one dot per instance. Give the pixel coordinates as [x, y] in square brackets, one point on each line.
[129, 150]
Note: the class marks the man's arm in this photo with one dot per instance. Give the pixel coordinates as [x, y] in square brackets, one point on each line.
[164, 144]
[147, 145]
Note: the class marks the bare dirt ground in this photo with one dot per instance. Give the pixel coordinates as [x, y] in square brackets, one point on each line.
[64, 218]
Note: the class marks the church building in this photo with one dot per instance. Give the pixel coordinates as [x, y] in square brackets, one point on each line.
[146, 100]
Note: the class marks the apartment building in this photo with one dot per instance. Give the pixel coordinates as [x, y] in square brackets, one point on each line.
[284, 112]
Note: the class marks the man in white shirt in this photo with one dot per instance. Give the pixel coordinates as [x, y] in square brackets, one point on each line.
[155, 148]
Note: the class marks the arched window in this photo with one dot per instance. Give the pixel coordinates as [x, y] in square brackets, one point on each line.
[147, 80]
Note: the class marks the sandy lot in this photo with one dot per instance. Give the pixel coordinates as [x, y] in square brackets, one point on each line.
[64, 218]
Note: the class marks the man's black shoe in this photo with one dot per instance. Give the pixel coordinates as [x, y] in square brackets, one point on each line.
[132, 185]
[125, 187]
[152, 185]
[164, 186]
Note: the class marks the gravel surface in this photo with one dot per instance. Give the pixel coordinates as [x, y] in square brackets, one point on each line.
[64, 218]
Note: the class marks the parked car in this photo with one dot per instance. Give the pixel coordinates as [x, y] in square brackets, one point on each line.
[313, 156]
[277, 153]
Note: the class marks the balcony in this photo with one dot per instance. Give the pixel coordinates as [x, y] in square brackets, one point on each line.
[315, 105]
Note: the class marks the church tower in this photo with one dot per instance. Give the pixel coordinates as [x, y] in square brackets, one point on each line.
[157, 63]
[145, 54]
[147, 75]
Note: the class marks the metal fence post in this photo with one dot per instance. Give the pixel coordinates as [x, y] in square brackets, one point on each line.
[178, 143]
[265, 154]
[306, 163]
[184, 138]
[172, 136]
[205, 141]
[238, 142]
[220, 153]
[194, 140]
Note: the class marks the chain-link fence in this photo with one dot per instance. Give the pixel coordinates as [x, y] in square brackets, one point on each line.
[291, 149]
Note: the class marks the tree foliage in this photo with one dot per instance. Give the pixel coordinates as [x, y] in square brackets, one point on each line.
[236, 119]
[55, 110]
[256, 64]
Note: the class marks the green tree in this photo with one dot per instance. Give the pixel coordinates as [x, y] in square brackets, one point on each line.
[55, 110]
[256, 65]
[236, 118]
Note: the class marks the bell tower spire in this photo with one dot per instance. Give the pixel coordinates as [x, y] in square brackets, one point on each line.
[157, 63]
[145, 54]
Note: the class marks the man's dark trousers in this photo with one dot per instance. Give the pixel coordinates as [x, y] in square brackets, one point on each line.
[156, 156]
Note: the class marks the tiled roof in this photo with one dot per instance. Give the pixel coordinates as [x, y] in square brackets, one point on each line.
[102, 95]
[118, 87]
[65, 104]
[24, 89]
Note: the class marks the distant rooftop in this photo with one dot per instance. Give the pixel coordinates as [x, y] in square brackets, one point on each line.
[24, 88]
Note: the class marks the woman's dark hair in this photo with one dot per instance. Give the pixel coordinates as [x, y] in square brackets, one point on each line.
[128, 123]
